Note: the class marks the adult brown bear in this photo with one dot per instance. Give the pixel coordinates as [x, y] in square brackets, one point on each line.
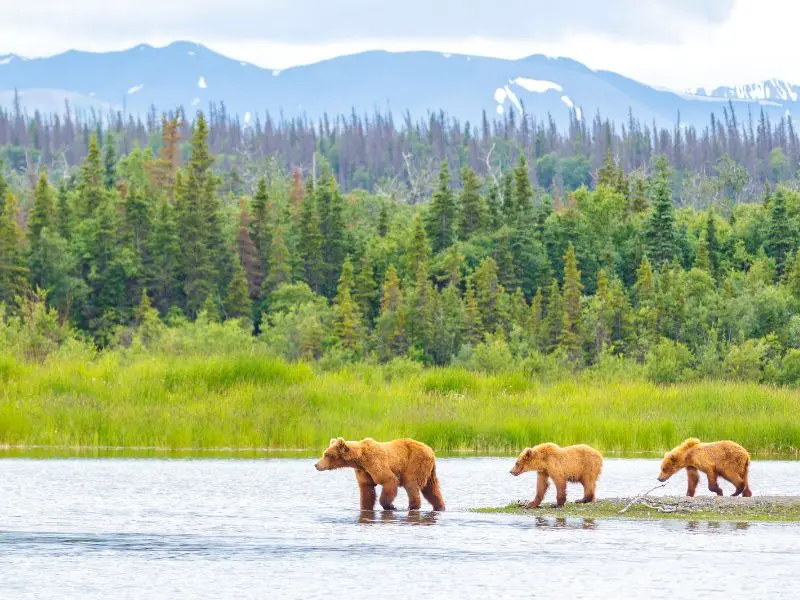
[403, 463]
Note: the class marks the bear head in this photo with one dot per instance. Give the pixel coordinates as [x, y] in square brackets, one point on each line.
[532, 459]
[339, 454]
[674, 460]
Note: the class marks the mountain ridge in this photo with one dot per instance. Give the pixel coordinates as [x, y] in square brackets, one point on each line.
[191, 75]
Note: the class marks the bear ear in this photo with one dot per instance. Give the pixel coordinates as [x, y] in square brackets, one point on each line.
[528, 452]
[342, 445]
[333, 441]
[666, 454]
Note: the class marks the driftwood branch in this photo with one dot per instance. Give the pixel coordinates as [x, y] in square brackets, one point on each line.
[492, 173]
[640, 498]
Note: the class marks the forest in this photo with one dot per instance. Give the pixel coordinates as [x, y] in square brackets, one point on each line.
[671, 254]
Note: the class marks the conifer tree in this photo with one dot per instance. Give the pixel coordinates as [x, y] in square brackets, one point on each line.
[3, 191]
[419, 251]
[64, 223]
[506, 269]
[383, 220]
[780, 241]
[365, 291]
[164, 252]
[349, 326]
[488, 292]
[110, 162]
[311, 243]
[442, 214]
[645, 288]
[473, 328]
[792, 276]
[554, 318]
[712, 244]
[472, 210]
[661, 235]
[43, 212]
[390, 328]
[535, 316]
[509, 200]
[519, 309]
[523, 192]
[260, 224]
[248, 253]
[237, 300]
[331, 206]
[13, 270]
[494, 208]
[571, 328]
[702, 260]
[278, 269]
[92, 186]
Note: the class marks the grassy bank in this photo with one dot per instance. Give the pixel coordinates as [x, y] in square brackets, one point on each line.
[255, 402]
[765, 508]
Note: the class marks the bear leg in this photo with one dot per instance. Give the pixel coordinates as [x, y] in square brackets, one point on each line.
[414, 499]
[368, 495]
[693, 478]
[561, 491]
[712, 483]
[432, 492]
[542, 483]
[388, 494]
[588, 492]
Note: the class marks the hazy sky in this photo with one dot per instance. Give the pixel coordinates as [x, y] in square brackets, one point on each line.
[670, 43]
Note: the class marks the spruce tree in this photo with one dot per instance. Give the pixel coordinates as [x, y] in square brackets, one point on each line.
[164, 252]
[348, 324]
[494, 208]
[554, 318]
[571, 328]
[260, 224]
[442, 214]
[390, 327]
[661, 236]
[473, 327]
[64, 222]
[488, 292]
[702, 260]
[535, 316]
[365, 290]
[645, 288]
[43, 213]
[13, 270]
[311, 244]
[506, 269]
[334, 246]
[110, 162]
[779, 240]
[472, 210]
[237, 300]
[92, 185]
[278, 269]
[712, 244]
[249, 257]
[419, 251]
[523, 192]
[383, 220]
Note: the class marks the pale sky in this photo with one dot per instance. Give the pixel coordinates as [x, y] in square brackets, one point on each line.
[668, 43]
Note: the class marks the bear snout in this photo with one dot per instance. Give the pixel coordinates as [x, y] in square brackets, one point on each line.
[318, 467]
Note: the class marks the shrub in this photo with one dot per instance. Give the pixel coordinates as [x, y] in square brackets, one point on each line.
[669, 362]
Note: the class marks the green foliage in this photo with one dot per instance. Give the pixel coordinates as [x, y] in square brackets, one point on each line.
[669, 362]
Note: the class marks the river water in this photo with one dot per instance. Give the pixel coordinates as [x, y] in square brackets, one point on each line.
[276, 528]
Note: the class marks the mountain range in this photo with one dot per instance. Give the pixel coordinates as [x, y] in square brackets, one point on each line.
[192, 76]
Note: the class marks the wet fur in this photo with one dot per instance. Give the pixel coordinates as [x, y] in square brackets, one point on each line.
[402, 463]
[724, 459]
[581, 464]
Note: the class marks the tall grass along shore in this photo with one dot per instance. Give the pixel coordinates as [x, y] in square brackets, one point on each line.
[248, 401]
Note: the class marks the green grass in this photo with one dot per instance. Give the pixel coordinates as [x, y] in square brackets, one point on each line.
[610, 509]
[255, 402]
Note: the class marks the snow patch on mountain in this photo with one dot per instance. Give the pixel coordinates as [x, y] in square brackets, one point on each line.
[500, 95]
[513, 97]
[540, 86]
[190, 53]
[6, 60]
[772, 89]
[135, 89]
[201, 83]
[276, 72]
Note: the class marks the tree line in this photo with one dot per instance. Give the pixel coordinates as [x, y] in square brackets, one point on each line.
[732, 157]
[483, 272]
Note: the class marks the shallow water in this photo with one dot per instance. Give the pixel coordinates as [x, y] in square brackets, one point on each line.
[276, 528]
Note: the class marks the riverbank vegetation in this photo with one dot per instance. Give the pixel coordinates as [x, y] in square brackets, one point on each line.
[712, 509]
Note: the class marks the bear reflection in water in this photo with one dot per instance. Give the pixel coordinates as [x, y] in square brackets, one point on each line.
[412, 517]
[564, 523]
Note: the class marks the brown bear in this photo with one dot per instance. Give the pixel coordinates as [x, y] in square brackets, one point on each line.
[399, 463]
[579, 463]
[724, 459]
